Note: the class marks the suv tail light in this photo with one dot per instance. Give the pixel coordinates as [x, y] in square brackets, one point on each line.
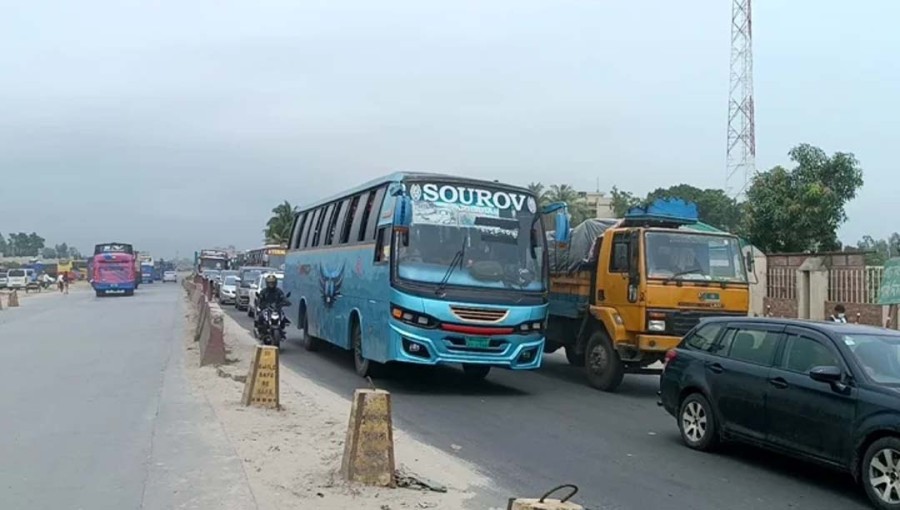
[671, 355]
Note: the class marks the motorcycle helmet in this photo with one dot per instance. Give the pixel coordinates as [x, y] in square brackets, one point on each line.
[271, 281]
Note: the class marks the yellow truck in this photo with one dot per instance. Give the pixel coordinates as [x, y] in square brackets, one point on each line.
[627, 290]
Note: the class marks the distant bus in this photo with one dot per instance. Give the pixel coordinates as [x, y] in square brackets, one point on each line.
[271, 255]
[114, 269]
[422, 268]
[65, 267]
[147, 272]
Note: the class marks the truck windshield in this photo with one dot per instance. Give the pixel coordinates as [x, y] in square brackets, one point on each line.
[494, 247]
[212, 263]
[700, 257]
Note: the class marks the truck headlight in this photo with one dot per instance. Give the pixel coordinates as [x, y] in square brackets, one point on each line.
[656, 325]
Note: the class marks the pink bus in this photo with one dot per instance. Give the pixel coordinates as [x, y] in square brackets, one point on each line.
[113, 269]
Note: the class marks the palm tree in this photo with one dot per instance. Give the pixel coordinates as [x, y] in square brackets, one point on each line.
[539, 192]
[278, 228]
[578, 208]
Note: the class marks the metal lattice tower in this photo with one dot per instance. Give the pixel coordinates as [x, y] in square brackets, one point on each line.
[741, 153]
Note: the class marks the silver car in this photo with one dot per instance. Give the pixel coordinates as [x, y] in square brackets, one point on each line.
[247, 286]
[228, 290]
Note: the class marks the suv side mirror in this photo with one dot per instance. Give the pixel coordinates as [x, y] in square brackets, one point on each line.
[826, 374]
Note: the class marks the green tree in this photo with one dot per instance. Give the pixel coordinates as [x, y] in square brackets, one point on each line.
[800, 210]
[48, 253]
[622, 201]
[75, 253]
[25, 245]
[880, 250]
[578, 208]
[3, 246]
[539, 192]
[713, 205]
[278, 228]
[62, 251]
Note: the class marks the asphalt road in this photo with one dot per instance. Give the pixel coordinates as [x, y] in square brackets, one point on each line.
[536, 430]
[97, 412]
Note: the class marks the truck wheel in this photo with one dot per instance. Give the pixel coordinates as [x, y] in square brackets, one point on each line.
[573, 357]
[602, 363]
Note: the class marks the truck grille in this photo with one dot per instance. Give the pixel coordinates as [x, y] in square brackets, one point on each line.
[478, 314]
[679, 323]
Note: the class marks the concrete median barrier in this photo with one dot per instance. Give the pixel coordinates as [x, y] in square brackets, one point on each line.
[261, 387]
[212, 336]
[369, 446]
[13, 299]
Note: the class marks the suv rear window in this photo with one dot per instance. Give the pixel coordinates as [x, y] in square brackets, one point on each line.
[704, 337]
[16, 273]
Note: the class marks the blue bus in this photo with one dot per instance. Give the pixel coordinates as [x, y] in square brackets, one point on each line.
[423, 268]
[147, 272]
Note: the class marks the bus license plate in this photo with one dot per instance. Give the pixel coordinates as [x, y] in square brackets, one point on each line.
[478, 342]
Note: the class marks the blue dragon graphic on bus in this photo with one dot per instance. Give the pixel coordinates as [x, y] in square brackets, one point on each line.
[330, 281]
[423, 268]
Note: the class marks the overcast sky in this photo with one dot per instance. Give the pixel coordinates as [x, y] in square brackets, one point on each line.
[178, 125]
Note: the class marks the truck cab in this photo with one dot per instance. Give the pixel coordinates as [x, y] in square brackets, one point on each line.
[645, 282]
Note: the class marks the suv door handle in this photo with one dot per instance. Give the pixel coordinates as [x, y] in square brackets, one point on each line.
[715, 368]
[778, 382]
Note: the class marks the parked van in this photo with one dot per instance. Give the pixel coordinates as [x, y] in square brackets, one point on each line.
[17, 278]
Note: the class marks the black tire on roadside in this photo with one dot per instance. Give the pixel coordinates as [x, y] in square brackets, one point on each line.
[573, 357]
[308, 342]
[602, 364]
[877, 473]
[476, 372]
[697, 423]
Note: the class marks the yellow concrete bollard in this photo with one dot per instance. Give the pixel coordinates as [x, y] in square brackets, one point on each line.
[261, 387]
[546, 503]
[13, 299]
[369, 447]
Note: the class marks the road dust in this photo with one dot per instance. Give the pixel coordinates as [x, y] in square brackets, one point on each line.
[292, 457]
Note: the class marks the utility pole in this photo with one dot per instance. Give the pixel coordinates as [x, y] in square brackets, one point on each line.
[741, 146]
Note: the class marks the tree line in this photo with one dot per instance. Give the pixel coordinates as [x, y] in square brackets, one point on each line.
[22, 244]
[783, 210]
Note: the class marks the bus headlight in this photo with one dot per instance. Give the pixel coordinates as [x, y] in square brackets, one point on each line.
[414, 318]
[656, 325]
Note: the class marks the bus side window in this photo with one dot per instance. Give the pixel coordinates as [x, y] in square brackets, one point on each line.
[618, 262]
[383, 245]
[332, 223]
[358, 227]
[308, 229]
[299, 219]
[373, 213]
[322, 231]
[349, 218]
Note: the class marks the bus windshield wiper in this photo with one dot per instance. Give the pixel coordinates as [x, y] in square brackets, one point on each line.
[457, 260]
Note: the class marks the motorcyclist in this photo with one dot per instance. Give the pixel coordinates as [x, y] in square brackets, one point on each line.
[270, 295]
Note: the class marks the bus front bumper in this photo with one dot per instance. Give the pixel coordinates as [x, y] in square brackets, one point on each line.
[433, 347]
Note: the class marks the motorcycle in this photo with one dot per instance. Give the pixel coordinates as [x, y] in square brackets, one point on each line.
[271, 324]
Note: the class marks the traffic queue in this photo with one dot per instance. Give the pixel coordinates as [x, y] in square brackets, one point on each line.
[434, 269]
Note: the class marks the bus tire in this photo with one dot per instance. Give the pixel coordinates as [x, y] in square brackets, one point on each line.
[364, 367]
[308, 342]
[129, 292]
[573, 357]
[475, 372]
[602, 364]
[99, 293]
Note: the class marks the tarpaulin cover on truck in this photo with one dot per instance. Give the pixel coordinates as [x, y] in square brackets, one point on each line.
[570, 258]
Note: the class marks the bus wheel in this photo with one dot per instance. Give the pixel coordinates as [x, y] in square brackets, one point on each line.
[476, 372]
[99, 293]
[573, 357]
[306, 340]
[602, 363]
[364, 367]
[129, 292]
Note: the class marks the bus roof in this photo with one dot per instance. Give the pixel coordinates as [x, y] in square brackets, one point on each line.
[401, 176]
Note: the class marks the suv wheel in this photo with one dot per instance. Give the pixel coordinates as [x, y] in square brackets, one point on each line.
[697, 423]
[881, 473]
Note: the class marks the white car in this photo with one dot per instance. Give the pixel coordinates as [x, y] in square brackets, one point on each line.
[170, 276]
[260, 285]
[17, 278]
[228, 290]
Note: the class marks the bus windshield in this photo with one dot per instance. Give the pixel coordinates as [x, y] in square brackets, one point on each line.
[212, 263]
[487, 245]
[700, 257]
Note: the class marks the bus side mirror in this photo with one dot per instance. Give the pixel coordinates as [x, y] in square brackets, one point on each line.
[403, 212]
[750, 262]
[562, 226]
